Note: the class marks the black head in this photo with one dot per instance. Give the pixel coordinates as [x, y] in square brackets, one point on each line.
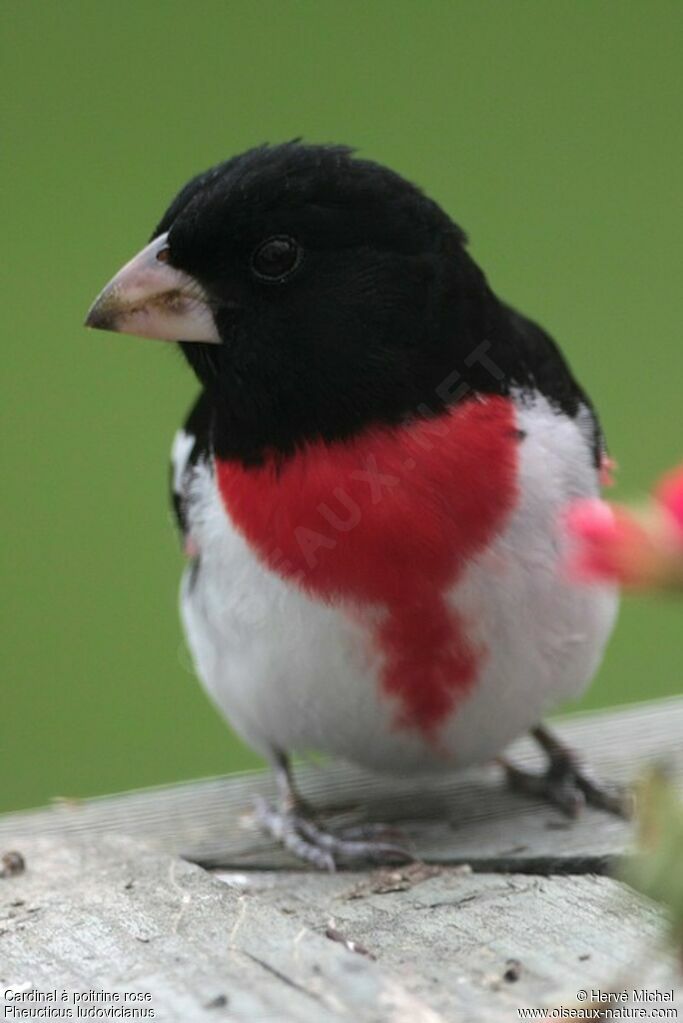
[340, 294]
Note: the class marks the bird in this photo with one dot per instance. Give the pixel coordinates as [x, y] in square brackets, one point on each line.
[370, 484]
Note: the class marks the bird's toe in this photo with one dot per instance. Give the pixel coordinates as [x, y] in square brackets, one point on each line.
[313, 844]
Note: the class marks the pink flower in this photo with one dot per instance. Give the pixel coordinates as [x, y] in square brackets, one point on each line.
[640, 548]
[669, 493]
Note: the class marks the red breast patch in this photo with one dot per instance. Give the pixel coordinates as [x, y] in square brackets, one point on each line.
[389, 519]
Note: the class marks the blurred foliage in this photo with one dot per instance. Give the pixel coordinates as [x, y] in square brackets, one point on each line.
[657, 869]
[549, 131]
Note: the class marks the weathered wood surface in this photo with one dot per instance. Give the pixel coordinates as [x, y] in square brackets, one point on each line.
[468, 818]
[106, 903]
[422, 945]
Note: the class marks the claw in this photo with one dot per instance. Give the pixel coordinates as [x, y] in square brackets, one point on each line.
[371, 832]
[563, 793]
[293, 823]
[324, 850]
[565, 784]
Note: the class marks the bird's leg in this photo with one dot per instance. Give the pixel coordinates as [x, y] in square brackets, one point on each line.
[291, 821]
[565, 783]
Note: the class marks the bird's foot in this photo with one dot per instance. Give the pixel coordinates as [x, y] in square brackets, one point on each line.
[565, 783]
[295, 828]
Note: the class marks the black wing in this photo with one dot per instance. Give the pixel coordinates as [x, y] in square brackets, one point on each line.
[546, 369]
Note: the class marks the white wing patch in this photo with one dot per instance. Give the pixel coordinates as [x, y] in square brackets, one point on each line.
[180, 455]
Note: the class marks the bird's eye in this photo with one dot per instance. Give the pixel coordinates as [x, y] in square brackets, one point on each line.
[276, 259]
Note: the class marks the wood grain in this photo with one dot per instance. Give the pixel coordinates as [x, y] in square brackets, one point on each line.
[467, 818]
[414, 946]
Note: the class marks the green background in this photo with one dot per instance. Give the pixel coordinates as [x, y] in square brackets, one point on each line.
[551, 132]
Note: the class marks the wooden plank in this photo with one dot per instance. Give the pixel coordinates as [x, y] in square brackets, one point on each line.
[425, 945]
[465, 818]
[479, 946]
[109, 914]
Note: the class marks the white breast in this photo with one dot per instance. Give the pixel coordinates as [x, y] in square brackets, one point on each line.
[291, 673]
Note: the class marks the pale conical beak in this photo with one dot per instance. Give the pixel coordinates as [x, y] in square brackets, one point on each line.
[150, 298]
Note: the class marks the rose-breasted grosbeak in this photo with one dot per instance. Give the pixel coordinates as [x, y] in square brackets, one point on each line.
[370, 480]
